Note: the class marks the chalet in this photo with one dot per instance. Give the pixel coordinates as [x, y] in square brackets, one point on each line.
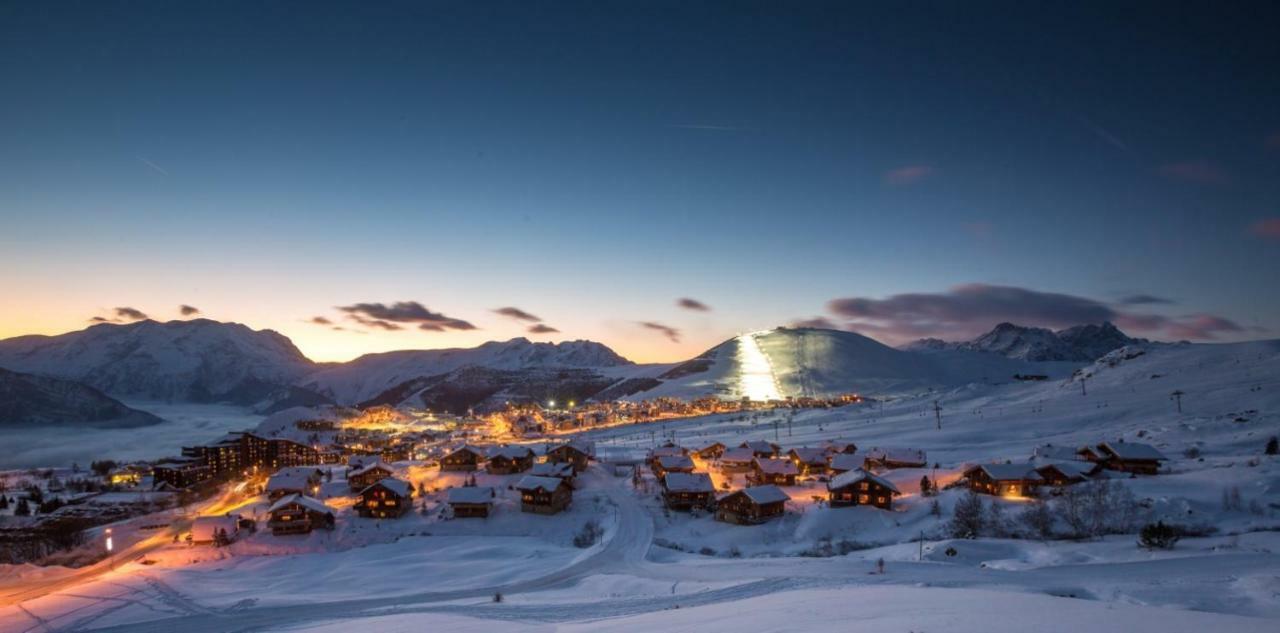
[299, 514]
[304, 480]
[1089, 454]
[181, 472]
[1130, 457]
[126, 476]
[471, 501]
[544, 495]
[1006, 480]
[672, 464]
[505, 460]
[843, 462]
[387, 498]
[216, 530]
[761, 448]
[366, 476]
[750, 506]
[1056, 453]
[810, 461]
[1058, 474]
[838, 446]
[710, 451]
[886, 458]
[737, 460]
[397, 452]
[669, 450]
[778, 472]
[463, 458]
[562, 471]
[860, 488]
[360, 461]
[577, 454]
[686, 491]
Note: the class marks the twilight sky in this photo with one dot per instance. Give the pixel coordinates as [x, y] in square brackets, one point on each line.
[656, 176]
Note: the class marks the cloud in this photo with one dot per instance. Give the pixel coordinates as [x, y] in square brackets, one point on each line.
[319, 320]
[1203, 327]
[187, 310]
[1144, 300]
[822, 323]
[1198, 172]
[130, 314]
[154, 166]
[668, 331]
[907, 175]
[692, 304]
[99, 319]
[388, 317]
[542, 328]
[517, 314]
[1267, 229]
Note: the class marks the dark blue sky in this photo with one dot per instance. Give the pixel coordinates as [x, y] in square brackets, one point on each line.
[591, 163]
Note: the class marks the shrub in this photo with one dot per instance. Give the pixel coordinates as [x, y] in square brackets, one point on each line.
[589, 534]
[1158, 536]
[1273, 446]
[967, 520]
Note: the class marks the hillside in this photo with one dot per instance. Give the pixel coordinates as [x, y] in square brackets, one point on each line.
[29, 401]
[1080, 344]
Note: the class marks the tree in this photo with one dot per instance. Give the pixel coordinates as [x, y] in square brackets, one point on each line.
[102, 468]
[1158, 536]
[4, 502]
[995, 521]
[926, 486]
[935, 508]
[1037, 519]
[1273, 446]
[23, 509]
[967, 519]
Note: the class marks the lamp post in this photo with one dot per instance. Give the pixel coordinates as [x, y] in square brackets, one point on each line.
[110, 546]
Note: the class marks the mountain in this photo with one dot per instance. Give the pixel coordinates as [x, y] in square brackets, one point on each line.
[196, 361]
[422, 377]
[1079, 344]
[27, 400]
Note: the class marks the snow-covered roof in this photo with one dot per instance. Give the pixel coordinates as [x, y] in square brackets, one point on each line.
[510, 452]
[771, 466]
[359, 461]
[744, 455]
[1058, 453]
[688, 482]
[399, 486]
[810, 455]
[1070, 468]
[675, 462]
[710, 445]
[898, 455]
[309, 503]
[288, 479]
[582, 446]
[837, 445]
[845, 461]
[469, 448]
[856, 475]
[765, 494]
[668, 450]
[471, 494]
[534, 482]
[371, 466]
[1132, 450]
[552, 469]
[760, 446]
[1003, 472]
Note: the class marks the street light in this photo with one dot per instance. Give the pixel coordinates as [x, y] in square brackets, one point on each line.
[110, 546]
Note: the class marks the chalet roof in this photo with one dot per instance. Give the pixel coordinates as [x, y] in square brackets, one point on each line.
[845, 461]
[1132, 450]
[552, 469]
[675, 462]
[704, 447]
[837, 445]
[688, 482]
[1069, 468]
[809, 455]
[581, 446]
[358, 461]
[471, 494]
[1005, 472]
[744, 455]
[856, 475]
[378, 465]
[309, 503]
[467, 448]
[288, 479]
[760, 446]
[765, 494]
[511, 452]
[898, 455]
[534, 482]
[1056, 453]
[772, 466]
[668, 450]
[401, 487]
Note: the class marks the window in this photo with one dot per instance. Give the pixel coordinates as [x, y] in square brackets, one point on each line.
[863, 498]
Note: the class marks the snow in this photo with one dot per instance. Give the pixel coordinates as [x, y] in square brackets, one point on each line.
[854, 476]
[688, 482]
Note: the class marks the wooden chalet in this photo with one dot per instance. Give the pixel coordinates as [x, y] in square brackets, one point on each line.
[464, 458]
[888, 458]
[544, 495]
[304, 480]
[778, 472]
[861, 488]
[577, 454]
[563, 471]
[505, 460]
[750, 506]
[216, 530]
[810, 461]
[1058, 474]
[1005, 480]
[710, 451]
[761, 448]
[672, 464]
[1130, 457]
[843, 462]
[366, 476]
[737, 460]
[838, 446]
[299, 514]
[686, 491]
[471, 501]
[387, 498]
[670, 450]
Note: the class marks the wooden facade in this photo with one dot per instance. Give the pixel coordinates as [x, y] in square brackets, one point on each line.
[711, 451]
[1005, 480]
[750, 506]
[687, 491]
[471, 502]
[859, 487]
[299, 514]
[466, 458]
[777, 472]
[544, 495]
[362, 478]
[506, 460]
[1130, 457]
[388, 498]
[576, 456]
[1065, 474]
[810, 461]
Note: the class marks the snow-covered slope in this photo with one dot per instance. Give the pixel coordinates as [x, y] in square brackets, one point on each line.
[197, 361]
[28, 400]
[1081, 343]
[372, 375]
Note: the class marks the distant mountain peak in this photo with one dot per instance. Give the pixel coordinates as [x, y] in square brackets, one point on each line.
[1080, 343]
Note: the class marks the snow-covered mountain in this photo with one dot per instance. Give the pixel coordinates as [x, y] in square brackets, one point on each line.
[1079, 344]
[393, 377]
[28, 400]
[196, 361]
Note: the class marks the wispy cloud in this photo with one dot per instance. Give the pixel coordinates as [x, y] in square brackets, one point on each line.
[319, 320]
[1143, 300]
[130, 314]
[671, 333]
[542, 328]
[907, 175]
[187, 310]
[154, 166]
[692, 304]
[517, 314]
[389, 317]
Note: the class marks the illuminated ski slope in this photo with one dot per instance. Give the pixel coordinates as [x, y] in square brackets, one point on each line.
[756, 379]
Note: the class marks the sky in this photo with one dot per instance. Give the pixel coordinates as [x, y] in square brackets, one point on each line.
[655, 176]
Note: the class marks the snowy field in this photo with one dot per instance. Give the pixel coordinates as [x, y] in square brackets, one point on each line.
[656, 570]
